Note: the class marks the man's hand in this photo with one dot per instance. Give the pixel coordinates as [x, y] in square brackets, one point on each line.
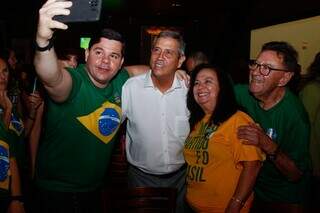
[46, 24]
[182, 75]
[253, 134]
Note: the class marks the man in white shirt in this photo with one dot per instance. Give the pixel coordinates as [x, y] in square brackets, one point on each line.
[155, 106]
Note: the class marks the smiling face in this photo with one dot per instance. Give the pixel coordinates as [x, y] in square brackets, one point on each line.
[4, 75]
[263, 86]
[206, 89]
[165, 57]
[104, 59]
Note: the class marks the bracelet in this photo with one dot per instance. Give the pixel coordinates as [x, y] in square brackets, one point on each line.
[42, 49]
[238, 201]
[17, 198]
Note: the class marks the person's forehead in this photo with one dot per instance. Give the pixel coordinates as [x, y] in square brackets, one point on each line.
[108, 44]
[271, 57]
[207, 72]
[166, 41]
[72, 56]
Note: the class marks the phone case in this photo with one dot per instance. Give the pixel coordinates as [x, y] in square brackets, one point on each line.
[82, 11]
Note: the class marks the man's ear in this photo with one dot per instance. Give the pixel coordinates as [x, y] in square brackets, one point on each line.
[86, 54]
[285, 78]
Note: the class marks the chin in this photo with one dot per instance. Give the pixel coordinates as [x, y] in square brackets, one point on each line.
[254, 88]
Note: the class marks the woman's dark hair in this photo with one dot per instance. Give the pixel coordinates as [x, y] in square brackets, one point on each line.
[314, 68]
[226, 104]
[313, 72]
[109, 34]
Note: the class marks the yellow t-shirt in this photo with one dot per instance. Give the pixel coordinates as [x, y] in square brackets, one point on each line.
[214, 156]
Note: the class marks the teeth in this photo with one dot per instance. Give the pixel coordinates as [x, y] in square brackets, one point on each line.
[104, 67]
[159, 63]
[202, 94]
[256, 80]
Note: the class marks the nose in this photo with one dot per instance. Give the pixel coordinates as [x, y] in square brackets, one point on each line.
[161, 54]
[200, 85]
[105, 59]
[74, 64]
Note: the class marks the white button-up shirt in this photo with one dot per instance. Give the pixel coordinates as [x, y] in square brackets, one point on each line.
[157, 124]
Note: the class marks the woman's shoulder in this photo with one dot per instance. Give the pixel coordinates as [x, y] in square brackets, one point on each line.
[237, 119]
[241, 116]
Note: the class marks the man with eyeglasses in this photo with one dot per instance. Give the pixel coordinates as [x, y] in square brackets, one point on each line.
[281, 129]
[157, 126]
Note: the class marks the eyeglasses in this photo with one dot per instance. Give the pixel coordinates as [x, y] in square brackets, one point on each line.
[167, 53]
[264, 69]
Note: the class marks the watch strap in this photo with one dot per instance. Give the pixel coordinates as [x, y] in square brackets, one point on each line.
[42, 49]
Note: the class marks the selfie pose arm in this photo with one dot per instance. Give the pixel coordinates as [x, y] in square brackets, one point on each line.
[57, 81]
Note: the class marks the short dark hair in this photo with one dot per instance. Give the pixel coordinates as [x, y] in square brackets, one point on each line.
[65, 53]
[285, 50]
[109, 34]
[174, 35]
[226, 104]
[290, 60]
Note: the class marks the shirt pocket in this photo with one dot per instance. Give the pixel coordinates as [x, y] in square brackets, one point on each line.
[181, 126]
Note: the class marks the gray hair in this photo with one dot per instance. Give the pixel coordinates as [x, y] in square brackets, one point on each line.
[174, 35]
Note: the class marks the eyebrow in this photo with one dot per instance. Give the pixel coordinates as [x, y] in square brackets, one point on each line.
[99, 48]
[271, 65]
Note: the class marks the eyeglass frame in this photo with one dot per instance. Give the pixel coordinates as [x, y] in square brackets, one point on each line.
[266, 66]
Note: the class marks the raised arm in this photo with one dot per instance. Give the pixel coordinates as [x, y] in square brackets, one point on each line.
[57, 81]
[6, 106]
[34, 137]
[134, 70]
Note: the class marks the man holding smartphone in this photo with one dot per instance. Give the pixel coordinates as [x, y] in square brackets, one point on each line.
[83, 116]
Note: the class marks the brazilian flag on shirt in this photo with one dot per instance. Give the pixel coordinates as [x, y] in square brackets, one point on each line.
[4, 165]
[103, 122]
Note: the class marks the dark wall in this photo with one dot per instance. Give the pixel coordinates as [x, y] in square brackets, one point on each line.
[221, 30]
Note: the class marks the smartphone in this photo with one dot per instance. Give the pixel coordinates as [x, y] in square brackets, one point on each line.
[82, 11]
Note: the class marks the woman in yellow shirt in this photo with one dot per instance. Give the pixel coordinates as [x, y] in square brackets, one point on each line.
[221, 170]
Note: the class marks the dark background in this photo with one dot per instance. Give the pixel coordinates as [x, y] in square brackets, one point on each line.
[220, 28]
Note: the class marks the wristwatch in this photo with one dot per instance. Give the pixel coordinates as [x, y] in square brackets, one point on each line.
[273, 156]
[18, 198]
[42, 49]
